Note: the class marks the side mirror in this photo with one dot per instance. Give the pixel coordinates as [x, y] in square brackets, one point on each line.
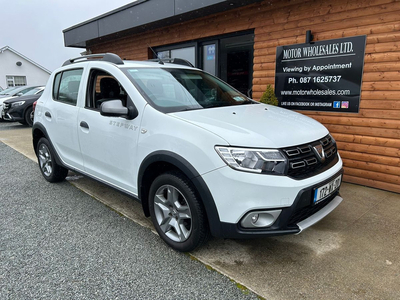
[19, 94]
[114, 108]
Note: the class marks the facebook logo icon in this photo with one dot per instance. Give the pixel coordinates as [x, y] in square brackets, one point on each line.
[336, 104]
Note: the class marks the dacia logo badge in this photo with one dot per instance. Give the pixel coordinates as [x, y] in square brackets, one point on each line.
[319, 152]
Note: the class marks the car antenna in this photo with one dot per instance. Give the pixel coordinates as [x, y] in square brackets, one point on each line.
[155, 53]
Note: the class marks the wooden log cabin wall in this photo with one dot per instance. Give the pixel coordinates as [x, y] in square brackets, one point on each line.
[369, 141]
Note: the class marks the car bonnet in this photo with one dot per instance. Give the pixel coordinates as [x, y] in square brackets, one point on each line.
[256, 125]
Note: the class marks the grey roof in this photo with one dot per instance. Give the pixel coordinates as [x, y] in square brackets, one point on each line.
[144, 15]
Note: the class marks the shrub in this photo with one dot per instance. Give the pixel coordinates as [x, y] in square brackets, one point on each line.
[269, 97]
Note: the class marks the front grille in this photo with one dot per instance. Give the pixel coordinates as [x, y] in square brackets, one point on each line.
[303, 160]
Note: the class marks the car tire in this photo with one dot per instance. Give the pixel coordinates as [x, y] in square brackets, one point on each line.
[177, 213]
[29, 116]
[51, 171]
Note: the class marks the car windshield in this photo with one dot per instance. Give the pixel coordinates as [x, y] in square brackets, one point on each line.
[33, 91]
[172, 90]
[8, 90]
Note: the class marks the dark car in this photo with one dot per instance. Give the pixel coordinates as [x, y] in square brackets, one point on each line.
[20, 109]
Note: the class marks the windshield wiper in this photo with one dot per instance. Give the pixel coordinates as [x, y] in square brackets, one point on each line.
[189, 108]
[248, 101]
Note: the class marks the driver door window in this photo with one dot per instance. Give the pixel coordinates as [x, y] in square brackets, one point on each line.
[104, 87]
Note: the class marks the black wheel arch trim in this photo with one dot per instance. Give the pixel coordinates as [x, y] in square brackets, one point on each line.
[191, 173]
[41, 128]
[27, 107]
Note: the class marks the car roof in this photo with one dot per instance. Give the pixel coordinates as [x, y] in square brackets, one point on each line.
[151, 64]
[23, 98]
[110, 58]
[21, 88]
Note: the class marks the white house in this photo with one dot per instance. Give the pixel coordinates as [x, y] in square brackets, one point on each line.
[17, 70]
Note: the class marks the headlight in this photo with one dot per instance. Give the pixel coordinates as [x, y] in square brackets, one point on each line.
[18, 103]
[268, 161]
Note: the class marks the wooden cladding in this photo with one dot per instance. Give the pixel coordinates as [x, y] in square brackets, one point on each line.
[369, 141]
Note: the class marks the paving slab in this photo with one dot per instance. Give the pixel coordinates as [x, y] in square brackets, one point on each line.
[351, 254]
[18, 137]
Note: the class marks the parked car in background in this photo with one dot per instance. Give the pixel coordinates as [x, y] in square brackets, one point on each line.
[7, 92]
[13, 93]
[19, 109]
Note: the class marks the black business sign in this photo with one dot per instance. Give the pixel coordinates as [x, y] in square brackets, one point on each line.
[321, 76]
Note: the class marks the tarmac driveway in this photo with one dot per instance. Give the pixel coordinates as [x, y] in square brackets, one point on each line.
[351, 254]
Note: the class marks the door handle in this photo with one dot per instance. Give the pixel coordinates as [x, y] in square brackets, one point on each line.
[83, 124]
[47, 114]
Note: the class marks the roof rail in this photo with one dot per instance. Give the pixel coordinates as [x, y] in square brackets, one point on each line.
[110, 57]
[178, 61]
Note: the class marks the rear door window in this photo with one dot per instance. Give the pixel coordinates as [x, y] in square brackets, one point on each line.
[66, 86]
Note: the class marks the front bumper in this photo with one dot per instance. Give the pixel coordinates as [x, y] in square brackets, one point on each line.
[248, 193]
[12, 114]
[319, 215]
[292, 220]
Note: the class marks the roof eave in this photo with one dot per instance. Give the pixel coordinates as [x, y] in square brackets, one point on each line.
[144, 15]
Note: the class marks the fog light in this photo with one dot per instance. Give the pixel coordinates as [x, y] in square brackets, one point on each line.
[254, 218]
[257, 219]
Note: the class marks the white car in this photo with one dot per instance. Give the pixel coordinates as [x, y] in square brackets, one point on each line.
[201, 157]
[7, 92]
[11, 93]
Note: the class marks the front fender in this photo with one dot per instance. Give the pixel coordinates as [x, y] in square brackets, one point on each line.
[191, 173]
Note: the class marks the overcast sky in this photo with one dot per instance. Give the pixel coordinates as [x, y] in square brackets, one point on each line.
[34, 27]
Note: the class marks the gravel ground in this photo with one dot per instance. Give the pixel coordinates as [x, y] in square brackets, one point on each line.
[57, 242]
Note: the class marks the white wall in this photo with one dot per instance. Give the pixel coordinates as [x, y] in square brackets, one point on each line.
[34, 75]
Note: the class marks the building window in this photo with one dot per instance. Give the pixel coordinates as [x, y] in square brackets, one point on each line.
[229, 57]
[16, 80]
[188, 53]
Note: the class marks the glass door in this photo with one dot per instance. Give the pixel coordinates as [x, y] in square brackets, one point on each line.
[236, 61]
[209, 57]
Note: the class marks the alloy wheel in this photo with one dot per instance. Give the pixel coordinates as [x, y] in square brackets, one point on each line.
[173, 213]
[31, 116]
[45, 160]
